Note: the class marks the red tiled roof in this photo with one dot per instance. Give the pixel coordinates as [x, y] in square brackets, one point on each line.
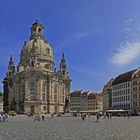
[91, 96]
[76, 93]
[84, 94]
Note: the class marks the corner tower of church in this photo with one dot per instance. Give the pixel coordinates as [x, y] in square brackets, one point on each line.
[36, 86]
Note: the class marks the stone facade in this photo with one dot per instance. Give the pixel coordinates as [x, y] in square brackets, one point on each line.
[36, 86]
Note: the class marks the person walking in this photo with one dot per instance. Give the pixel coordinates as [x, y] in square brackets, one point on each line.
[43, 117]
[97, 116]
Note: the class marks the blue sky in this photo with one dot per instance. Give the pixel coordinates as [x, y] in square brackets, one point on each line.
[100, 38]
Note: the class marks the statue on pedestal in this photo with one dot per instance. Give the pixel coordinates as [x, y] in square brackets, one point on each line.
[67, 106]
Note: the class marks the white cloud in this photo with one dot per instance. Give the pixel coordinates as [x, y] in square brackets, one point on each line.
[126, 54]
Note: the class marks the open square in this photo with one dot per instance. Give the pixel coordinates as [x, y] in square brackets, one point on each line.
[70, 128]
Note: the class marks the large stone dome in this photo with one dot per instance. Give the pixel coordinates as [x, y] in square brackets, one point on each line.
[36, 48]
[43, 52]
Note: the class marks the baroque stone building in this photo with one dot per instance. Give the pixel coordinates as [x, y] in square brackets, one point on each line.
[36, 86]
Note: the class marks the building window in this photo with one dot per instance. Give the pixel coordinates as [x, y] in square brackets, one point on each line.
[32, 63]
[48, 51]
[32, 89]
[44, 108]
[43, 96]
[55, 98]
[23, 88]
[55, 88]
[43, 87]
[39, 32]
[128, 98]
[135, 89]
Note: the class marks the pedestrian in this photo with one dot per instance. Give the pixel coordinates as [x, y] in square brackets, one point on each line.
[0, 117]
[128, 114]
[35, 117]
[43, 117]
[104, 114]
[100, 115]
[6, 117]
[124, 114]
[89, 115]
[97, 116]
[38, 117]
[52, 115]
[83, 115]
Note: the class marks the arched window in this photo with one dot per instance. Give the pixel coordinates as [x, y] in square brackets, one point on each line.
[23, 87]
[43, 87]
[55, 97]
[63, 72]
[63, 96]
[55, 88]
[43, 91]
[32, 89]
[43, 96]
[48, 51]
[32, 85]
[32, 63]
[44, 108]
[23, 91]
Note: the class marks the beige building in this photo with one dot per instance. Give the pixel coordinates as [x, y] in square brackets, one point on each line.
[92, 103]
[99, 102]
[36, 86]
[83, 101]
[75, 101]
[136, 91]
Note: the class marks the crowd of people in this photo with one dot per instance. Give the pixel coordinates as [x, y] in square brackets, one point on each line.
[101, 115]
[43, 117]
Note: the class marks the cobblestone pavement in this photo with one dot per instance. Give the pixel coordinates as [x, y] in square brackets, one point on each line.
[70, 128]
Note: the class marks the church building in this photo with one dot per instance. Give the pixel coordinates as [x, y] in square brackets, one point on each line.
[36, 86]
